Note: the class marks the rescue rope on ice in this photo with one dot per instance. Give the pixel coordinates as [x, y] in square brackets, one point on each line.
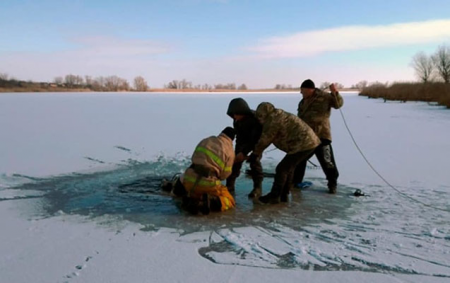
[379, 175]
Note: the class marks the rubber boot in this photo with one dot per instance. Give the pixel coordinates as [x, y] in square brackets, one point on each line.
[270, 198]
[284, 198]
[255, 193]
[332, 187]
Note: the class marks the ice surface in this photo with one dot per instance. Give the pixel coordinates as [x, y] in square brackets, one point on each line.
[99, 158]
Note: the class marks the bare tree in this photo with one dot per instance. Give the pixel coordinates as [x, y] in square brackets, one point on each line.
[73, 80]
[58, 80]
[79, 80]
[423, 66]
[124, 85]
[242, 87]
[206, 87]
[185, 84]
[98, 84]
[225, 86]
[4, 76]
[173, 84]
[140, 84]
[89, 81]
[69, 80]
[338, 85]
[441, 60]
[324, 85]
[361, 85]
[231, 86]
[112, 83]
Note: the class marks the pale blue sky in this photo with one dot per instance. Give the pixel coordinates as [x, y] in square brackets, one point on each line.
[260, 43]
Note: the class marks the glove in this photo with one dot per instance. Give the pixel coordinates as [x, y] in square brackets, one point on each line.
[252, 158]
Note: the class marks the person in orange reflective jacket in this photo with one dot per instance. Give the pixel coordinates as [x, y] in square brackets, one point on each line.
[200, 185]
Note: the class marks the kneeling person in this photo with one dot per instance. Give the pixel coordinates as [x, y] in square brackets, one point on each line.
[200, 186]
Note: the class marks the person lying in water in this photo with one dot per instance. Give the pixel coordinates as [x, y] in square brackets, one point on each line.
[200, 186]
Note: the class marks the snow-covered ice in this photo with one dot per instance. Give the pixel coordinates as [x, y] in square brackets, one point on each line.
[79, 196]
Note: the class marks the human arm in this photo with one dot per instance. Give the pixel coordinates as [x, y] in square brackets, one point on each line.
[336, 100]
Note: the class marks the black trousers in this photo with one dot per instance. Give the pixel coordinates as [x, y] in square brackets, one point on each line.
[284, 173]
[324, 153]
[257, 174]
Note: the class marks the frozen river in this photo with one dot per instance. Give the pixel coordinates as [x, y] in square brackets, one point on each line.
[100, 158]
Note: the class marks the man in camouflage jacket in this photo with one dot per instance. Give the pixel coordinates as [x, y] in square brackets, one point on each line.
[289, 134]
[315, 110]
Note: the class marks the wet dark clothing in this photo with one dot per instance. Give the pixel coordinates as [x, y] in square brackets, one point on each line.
[284, 171]
[324, 153]
[316, 112]
[248, 131]
[257, 174]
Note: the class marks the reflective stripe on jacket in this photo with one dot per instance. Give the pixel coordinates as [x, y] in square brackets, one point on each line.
[216, 155]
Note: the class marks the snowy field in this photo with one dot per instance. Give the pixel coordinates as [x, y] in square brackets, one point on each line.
[79, 197]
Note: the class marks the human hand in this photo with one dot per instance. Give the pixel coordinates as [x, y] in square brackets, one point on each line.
[333, 89]
[252, 158]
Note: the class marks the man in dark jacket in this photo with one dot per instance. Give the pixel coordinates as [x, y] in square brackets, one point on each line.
[248, 130]
[315, 110]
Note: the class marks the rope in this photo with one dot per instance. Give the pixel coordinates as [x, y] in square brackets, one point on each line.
[379, 175]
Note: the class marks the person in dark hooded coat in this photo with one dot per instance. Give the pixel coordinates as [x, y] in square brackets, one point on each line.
[248, 131]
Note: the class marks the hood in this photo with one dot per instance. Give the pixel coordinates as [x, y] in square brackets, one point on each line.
[264, 110]
[238, 106]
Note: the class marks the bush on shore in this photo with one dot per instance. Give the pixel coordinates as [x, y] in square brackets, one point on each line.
[428, 92]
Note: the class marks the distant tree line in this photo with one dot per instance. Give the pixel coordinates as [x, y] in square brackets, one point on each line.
[115, 83]
[184, 84]
[324, 85]
[434, 67]
[110, 83]
[283, 86]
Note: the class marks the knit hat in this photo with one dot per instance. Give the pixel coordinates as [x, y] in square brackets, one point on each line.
[229, 131]
[308, 84]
